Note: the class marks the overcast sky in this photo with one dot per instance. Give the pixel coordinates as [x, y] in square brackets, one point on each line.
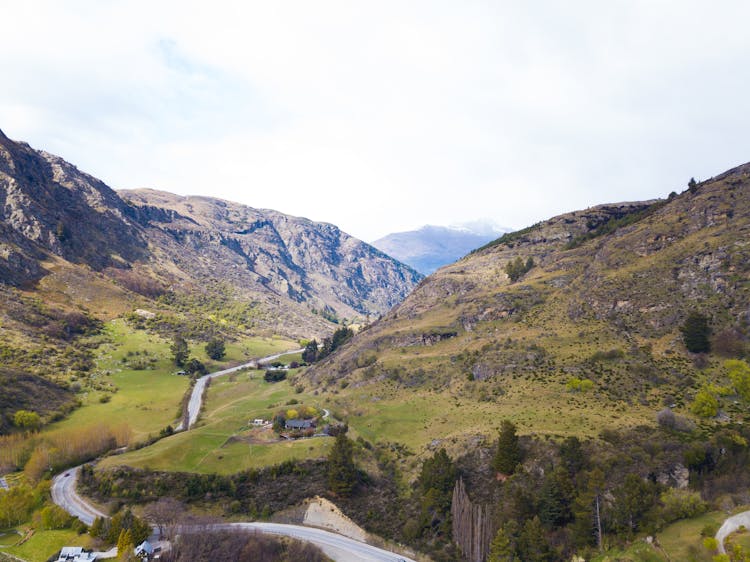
[383, 116]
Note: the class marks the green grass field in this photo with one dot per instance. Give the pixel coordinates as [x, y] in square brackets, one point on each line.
[44, 544]
[148, 400]
[212, 446]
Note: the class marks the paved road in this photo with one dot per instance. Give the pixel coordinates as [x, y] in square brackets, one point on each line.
[730, 525]
[65, 495]
[196, 397]
[337, 547]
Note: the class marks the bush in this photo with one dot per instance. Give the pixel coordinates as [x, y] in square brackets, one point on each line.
[695, 331]
[274, 375]
[705, 404]
[681, 504]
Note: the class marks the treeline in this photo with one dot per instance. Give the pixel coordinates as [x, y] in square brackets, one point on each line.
[38, 454]
[549, 501]
[314, 352]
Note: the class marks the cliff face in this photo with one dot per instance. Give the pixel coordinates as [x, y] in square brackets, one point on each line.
[56, 218]
[48, 207]
[308, 262]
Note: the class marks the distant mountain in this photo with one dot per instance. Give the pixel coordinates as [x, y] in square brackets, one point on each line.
[70, 238]
[432, 247]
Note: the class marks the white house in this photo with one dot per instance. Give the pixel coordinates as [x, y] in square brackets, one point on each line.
[75, 554]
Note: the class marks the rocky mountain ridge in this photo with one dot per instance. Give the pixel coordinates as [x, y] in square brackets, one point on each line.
[299, 273]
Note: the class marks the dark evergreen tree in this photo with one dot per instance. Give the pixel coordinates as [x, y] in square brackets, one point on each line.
[504, 547]
[195, 367]
[508, 453]
[331, 344]
[532, 544]
[342, 472]
[572, 455]
[436, 481]
[179, 350]
[216, 349]
[310, 354]
[695, 333]
[588, 510]
[555, 497]
[632, 501]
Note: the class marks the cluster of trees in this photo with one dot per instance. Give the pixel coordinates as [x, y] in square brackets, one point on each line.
[314, 352]
[23, 502]
[558, 500]
[707, 400]
[17, 504]
[432, 499]
[39, 454]
[124, 529]
[517, 268]
[215, 349]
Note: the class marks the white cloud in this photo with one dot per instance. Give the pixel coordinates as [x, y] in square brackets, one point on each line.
[384, 116]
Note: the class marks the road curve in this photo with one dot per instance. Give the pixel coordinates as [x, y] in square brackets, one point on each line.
[730, 525]
[196, 396]
[65, 495]
[337, 547]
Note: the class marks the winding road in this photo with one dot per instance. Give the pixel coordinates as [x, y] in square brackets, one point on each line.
[336, 547]
[196, 396]
[730, 525]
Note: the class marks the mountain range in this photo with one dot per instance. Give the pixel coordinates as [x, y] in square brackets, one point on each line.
[431, 247]
[70, 237]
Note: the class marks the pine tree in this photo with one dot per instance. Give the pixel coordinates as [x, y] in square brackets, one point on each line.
[588, 510]
[508, 453]
[215, 349]
[310, 354]
[97, 527]
[125, 544]
[504, 546]
[342, 473]
[555, 498]
[179, 350]
[695, 332]
[532, 544]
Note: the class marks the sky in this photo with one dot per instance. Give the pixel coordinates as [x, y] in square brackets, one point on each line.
[384, 116]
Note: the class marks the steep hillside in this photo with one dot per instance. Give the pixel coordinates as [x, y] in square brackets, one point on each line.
[70, 238]
[609, 289]
[295, 258]
[431, 247]
[74, 253]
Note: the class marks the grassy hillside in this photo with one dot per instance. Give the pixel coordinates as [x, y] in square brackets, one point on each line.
[609, 289]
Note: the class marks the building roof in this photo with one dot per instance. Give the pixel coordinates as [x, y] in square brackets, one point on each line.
[75, 554]
[298, 424]
[146, 547]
